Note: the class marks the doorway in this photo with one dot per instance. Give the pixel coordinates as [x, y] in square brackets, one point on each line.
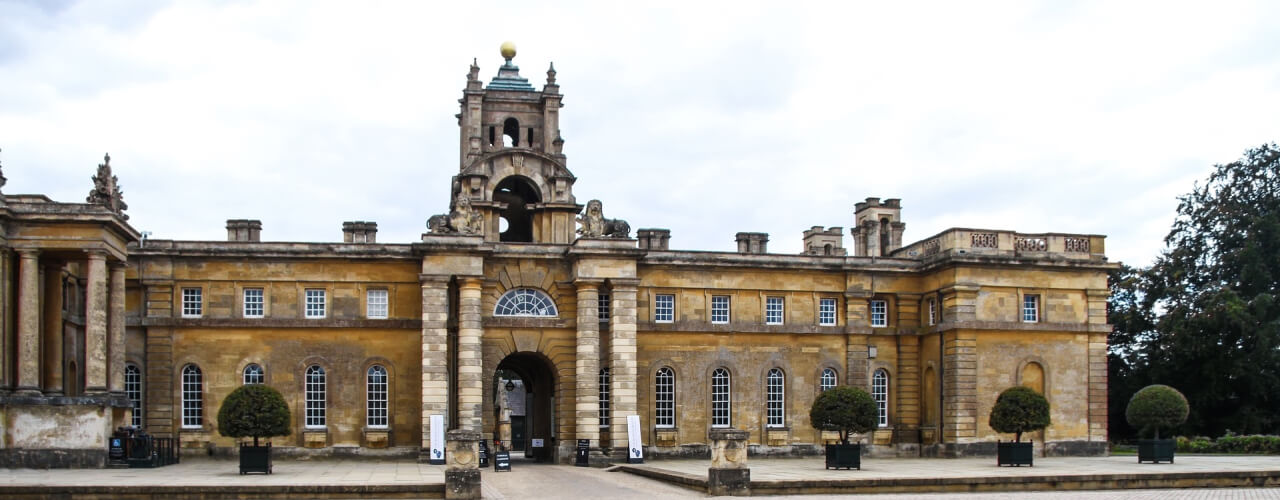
[524, 386]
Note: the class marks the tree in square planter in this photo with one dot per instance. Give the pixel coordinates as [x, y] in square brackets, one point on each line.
[255, 411]
[1018, 409]
[847, 410]
[1150, 409]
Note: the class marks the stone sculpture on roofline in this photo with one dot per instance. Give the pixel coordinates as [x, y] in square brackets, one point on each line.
[106, 189]
[594, 225]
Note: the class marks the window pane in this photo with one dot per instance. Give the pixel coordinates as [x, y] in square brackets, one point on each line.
[525, 302]
[1031, 308]
[253, 303]
[604, 398]
[720, 309]
[602, 307]
[315, 396]
[376, 305]
[254, 374]
[377, 397]
[720, 398]
[133, 391]
[664, 308]
[775, 399]
[315, 303]
[192, 305]
[880, 393]
[879, 313]
[192, 397]
[828, 379]
[827, 312]
[773, 310]
[665, 398]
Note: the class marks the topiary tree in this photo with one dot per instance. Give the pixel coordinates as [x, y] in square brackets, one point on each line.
[1019, 409]
[1157, 406]
[256, 411]
[844, 409]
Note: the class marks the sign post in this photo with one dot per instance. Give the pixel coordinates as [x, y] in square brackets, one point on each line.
[635, 450]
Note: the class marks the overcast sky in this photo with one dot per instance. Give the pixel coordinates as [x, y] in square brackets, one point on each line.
[704, 118]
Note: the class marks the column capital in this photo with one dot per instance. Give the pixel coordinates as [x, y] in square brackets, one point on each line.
[434, 279]
[588, 283]
[117, 265]
[96, 254]
[471, 281]
[621, 284]
[28, 253]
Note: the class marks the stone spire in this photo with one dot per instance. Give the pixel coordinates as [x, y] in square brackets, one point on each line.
[106, 189]
[551, 87]
[509, 74]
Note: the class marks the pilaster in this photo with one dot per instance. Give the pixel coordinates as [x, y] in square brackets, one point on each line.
[587, 367]
[95, 324]
[622, 358]
[960, 386]
[28, 322]
[470, 378]
[1098, 379]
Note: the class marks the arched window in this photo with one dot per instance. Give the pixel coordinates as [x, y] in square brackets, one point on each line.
[776, 396]
[192, 397]
[720, 398]
[525, 302]
[376, 409]
[133, 391]
[880, 393]
[604, 398]
[511, 133]
[254, 374]
[828, 380]
[315, 396]
[885, 240]
[664, 397]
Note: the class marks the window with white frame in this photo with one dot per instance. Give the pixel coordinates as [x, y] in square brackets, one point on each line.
[664, 308]
[254, 303]
[775, 398]
[376, 408]
[254, 374]
[773, 308]
[315, 397]
[828, 380]
[192, 302]
[376, 304]
[719, 309]
[933, 311]
[827, 312]
[133, 391]
[664, 398]
[602, 307]
[604, 398]
[720, 398]
[880, 393]
[1030, 308]
[314, 302]
[879, 313]
[525, 302]
[192, 397]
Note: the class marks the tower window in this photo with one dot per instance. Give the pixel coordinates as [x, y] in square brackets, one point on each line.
[511, 133]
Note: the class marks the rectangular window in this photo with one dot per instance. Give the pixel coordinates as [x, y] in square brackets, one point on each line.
[879, 313]
[602, 307]
[376, 304]
[719, 309]
[1030, 308]
[933, 311]
[773, 310]
[664, 308]
[254, 303]
[604, 398]
[827, 312]
[192, 303]
[314, 302]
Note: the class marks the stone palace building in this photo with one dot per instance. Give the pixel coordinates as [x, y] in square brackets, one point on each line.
[520, 282]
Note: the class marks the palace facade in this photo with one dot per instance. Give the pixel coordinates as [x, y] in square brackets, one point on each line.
[520, 282]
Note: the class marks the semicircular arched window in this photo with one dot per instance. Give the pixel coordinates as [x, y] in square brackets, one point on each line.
[525, 302]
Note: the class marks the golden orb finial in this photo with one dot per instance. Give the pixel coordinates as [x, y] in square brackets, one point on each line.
[508, 50]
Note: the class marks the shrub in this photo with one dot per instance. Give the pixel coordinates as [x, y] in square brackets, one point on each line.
[1019, 409]
[255, 411]
[844, 409]
[1155, 407]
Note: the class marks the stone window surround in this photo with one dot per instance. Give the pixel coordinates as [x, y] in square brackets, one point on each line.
[191, 303]
[245, 292]
[769, 302]
[376, 297]
[1037, 306]
[387, 365]
[835, 308]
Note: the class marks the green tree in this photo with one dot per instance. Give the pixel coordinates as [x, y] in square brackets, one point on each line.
[847, 410]
[1157, 407]
[255, 411]
[1216, 284]
[1019, 409]
[1129, 311]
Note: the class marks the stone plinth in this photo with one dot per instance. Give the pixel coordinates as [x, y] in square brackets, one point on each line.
[462, 464]
[729, 474]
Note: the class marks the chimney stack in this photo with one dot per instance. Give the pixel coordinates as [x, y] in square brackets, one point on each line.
[753, 242]
[244, 230]
[653, 239]
[359, 232]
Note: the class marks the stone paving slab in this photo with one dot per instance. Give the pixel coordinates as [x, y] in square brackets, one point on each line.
[213, 472]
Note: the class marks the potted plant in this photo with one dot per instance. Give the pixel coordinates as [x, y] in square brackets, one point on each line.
[1018, 409]
[255, 411]
[1151, 408]
[846, 410]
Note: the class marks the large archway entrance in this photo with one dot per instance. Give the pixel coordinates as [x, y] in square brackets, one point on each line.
[524, 405]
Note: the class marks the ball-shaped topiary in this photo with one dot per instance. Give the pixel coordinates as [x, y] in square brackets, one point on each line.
[847, 410]
[1155, 407]
[255, 411]
[1019, 409]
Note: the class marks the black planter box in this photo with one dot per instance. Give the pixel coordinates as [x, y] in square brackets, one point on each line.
[255, 458]
[1156, 450]
[846, 456]
[1014, 453]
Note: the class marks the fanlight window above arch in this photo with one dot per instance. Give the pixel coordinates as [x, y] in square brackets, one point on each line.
[525, 302]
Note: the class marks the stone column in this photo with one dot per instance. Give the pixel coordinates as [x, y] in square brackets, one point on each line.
[95, 324]
[587, 407]
[435, 354]
[28, 322]
[470, 377]
[115, 328]
[53, 329]
[729, 474]
[622, 360]
[462, 466]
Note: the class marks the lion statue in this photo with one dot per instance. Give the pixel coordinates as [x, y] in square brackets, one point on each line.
[462, 219]
[594, 225]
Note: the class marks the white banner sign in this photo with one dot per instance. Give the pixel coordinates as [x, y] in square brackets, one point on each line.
[635, 454]
[437, 439]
